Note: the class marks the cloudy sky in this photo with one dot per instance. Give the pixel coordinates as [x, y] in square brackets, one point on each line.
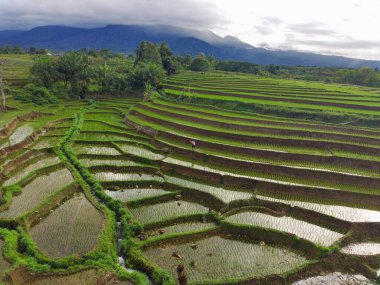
[341, 27]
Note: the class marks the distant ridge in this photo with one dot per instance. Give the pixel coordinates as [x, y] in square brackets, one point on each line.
[125, 38]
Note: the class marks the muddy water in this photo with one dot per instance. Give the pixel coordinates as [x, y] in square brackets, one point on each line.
[22, 173]
[18, 136]
[350, 214]
[126, 195]
[181, 228]
[367, 248]
[139, 151]
[99, 150]
[335, 278]
[110, 176]
[290, 225]
[217, 258]
[167, 210]
[222, 194]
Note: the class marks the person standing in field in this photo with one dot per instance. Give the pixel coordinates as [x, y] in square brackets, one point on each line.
[192, 144]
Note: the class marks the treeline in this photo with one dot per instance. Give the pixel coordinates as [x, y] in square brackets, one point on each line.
[79, 74]
[8, 49]
[365, 76]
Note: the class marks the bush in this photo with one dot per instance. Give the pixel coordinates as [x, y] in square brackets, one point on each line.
[146, 72]
[200, 63]
[36, 94]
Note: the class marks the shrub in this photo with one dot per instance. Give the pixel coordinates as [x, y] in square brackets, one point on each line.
[146, 72]
[36, 94]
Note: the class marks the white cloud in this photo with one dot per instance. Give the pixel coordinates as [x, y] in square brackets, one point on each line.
[328, 26]
[90, 13]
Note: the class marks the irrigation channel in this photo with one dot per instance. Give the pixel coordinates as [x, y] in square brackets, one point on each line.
[115, 185]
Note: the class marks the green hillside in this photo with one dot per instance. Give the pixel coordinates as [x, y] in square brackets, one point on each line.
[283, 184]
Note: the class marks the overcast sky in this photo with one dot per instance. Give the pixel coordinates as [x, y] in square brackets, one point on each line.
[341, 27]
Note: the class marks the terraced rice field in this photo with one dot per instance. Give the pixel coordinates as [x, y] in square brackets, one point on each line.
[290, 225]
[244, 259]
[167, 210]
[366, 248]
[127, 195]
[34, 193]
[78, 219]
[262, 199]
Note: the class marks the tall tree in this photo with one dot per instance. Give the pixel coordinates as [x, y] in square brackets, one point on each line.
[200, 63]
[148, 52]
[169, 62]
[71, 66]
[45, 69]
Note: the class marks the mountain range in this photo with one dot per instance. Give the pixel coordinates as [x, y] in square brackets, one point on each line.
[183, 41]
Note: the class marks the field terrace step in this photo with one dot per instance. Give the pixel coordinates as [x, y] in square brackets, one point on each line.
[96, 125]
[264, 92]
[271, 186]
[103, 148]
[72, 228]
[25, 169]
[342, 212]
[247, 262]
[111, 135]
[265, 130]
[166, 211]
[289, 142]
[24, 142]
[202, 143]
[133, 194]
[256, 119]
[266, 168]
[273, 178]
[258, 87]
[35, 192]
[302, 229]
[11, 125]
[232, 96]
[180, 229]
[25, 158]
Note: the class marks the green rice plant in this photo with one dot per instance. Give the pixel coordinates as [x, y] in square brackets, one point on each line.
[290, 225]
[349, 214]
[127, 195]
[266, 147]
[164, 211]
[221, 131]
[218, 260]
[35, 192]
[365, 248]
[45, 142]
[72, 228]
[273, 159]
[257, 121]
